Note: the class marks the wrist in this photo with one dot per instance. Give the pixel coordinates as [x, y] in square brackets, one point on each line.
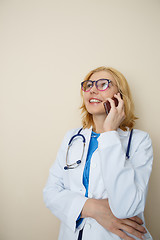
[109, 129]
[89, 208]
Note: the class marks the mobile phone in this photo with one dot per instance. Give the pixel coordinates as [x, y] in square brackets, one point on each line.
[107, 105]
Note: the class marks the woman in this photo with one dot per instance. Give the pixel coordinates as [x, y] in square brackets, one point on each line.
[99, 191]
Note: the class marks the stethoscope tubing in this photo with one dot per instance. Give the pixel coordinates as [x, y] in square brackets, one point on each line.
[77, 163]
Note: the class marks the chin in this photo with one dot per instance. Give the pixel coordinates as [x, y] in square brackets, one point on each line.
[95, 112]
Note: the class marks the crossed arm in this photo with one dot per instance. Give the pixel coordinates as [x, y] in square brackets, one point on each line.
[99, 210]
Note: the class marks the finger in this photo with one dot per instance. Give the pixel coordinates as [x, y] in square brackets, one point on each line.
[132, 231]
[134, 225]
[118, 96]
[120, 100]
[112, 103]
[136, 219]
[123, 235]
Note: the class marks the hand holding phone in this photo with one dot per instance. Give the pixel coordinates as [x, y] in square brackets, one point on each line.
[114, 119]
[107, 105]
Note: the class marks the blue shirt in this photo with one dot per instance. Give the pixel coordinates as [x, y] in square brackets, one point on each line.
[93, 145]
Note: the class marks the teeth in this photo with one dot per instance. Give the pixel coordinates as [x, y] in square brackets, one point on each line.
[94, 100]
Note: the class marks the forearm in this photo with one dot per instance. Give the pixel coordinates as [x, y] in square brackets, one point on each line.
[88, 209]
[99, 210]
[93, 207]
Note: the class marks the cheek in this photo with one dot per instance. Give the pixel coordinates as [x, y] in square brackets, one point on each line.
[85, 98]
[108, 94]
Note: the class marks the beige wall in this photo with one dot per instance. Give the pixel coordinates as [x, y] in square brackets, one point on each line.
[47, 47]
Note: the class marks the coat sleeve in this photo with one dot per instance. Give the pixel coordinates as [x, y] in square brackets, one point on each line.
[126, 181]
[63, 203]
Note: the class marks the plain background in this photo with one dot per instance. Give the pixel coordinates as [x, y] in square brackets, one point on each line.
[47, 48]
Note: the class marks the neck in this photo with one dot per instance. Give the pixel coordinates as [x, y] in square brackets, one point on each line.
[98, 122]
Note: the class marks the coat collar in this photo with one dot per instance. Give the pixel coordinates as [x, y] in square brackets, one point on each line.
[120, 131]
[123, 133]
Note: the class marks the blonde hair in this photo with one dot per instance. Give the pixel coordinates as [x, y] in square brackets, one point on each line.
[129, 121]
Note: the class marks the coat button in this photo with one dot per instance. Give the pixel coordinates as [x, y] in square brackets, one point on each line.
[88, 226]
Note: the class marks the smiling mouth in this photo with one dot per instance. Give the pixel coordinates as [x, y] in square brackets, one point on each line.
[95, 101]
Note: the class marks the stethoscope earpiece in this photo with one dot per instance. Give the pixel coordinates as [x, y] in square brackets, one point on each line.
[79, 161]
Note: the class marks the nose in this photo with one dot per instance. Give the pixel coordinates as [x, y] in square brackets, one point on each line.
[94, 89]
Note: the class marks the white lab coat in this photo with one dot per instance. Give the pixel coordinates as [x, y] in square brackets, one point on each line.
[123, 182]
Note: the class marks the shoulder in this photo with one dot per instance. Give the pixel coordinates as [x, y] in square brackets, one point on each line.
[67, 137]
[73, 131]
[136, 134]
[141, 136]
[70, 133]
[142, 143]
[139, 132]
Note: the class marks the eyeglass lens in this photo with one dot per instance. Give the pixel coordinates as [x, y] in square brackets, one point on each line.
[101, 84]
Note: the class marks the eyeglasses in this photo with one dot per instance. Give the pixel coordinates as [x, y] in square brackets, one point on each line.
[101, 84]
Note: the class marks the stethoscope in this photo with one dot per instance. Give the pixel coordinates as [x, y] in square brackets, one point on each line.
[78, 162]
